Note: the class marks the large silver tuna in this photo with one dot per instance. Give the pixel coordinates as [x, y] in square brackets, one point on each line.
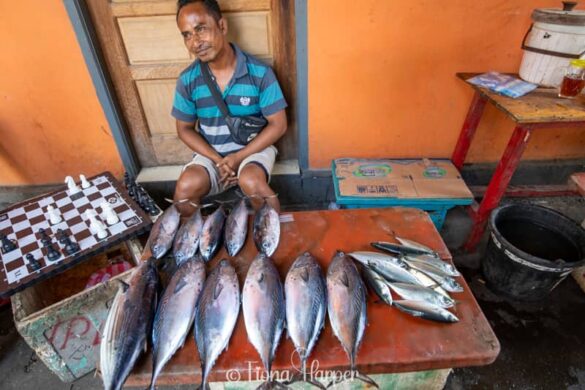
[126, 328]
[216, 315]
[346, 302]
[306, 305]
[175, 313]
[426, 310]
[267, 229]
[187, 238]
[211, 234]
[163, 232]
[236, 228]
[264, 310]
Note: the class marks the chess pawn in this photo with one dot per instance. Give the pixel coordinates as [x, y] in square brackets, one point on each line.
[54, 217]
[84, 182]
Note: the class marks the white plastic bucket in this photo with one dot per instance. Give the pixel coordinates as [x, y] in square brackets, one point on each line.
[554, 39]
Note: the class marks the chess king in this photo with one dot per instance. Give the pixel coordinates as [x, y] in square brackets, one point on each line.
[248, 87]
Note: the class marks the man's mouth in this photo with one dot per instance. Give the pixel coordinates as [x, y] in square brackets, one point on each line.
[202, 51]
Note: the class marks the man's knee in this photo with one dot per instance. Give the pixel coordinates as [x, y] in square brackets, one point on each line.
[194, 181]
[252, 178]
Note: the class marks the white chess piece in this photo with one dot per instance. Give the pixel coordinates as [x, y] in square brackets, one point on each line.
[96, 227]
[54, 217]
[108, 214]
[73, 188]
[84, 182]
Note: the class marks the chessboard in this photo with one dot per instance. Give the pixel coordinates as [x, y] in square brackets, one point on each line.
[33, 249]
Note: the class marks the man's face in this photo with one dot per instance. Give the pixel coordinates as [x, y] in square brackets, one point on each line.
[203, 36]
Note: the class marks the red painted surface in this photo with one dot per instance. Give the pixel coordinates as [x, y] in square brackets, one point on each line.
[468, 130]
[393, 341]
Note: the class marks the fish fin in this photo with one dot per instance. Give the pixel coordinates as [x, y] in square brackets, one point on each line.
[345, 279]
[180, 285]
[305, 275]
[125, 286]
[217, 290]
[366, 379]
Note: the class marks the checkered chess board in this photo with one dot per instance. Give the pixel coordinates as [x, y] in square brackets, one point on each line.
[21, 224]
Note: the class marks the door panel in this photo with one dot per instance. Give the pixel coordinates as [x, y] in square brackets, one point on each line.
[145, 54]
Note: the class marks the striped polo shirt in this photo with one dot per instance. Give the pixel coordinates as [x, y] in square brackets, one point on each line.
[253, 90]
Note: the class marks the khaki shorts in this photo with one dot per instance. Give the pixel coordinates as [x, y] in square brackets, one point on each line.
[265, 159]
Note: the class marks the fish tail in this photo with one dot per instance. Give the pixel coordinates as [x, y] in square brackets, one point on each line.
[366, 379]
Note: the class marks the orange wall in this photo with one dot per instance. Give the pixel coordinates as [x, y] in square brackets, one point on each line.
[51, 122]
[382, 78]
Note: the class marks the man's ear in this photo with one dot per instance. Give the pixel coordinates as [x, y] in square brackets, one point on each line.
[223, 26]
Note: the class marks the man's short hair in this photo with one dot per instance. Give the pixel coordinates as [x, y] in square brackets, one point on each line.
[211, 6]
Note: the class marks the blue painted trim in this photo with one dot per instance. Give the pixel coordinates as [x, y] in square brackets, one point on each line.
[302, 83]
[91, 53]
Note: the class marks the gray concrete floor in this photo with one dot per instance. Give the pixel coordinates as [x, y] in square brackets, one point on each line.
[543, 344]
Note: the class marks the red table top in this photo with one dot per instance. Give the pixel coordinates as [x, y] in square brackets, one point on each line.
[393, 341]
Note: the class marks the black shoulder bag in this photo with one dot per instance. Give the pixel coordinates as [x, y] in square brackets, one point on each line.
[242, 128]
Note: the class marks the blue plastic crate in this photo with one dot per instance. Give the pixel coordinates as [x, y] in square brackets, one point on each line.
[436, 207]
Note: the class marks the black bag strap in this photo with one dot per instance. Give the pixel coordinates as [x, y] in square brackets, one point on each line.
[215, 94]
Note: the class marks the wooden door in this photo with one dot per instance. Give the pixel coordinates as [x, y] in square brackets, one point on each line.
[145, 54]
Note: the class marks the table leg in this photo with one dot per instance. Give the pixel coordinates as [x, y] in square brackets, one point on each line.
[498, 184]
[468, 130]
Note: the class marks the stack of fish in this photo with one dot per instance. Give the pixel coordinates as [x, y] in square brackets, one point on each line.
[416, 274]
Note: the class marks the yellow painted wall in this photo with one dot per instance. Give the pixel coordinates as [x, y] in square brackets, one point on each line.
[51, 122]
[382, 78]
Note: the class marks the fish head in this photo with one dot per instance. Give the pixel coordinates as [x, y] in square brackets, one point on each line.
[446, 301]
[157, 251]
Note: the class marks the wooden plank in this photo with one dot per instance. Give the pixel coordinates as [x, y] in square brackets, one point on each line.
[393, 341]
[285, 67]
[169, 7]
[115, 58]
[171, 150]
[539, 106]
[156, 39]
[157, 101]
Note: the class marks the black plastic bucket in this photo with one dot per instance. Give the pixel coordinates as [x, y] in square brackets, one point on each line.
[531, 250]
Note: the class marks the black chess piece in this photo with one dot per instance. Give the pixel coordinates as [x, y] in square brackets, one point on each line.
[34, 263]
[126, 179]
[70, 246]
[45, 239]
[7, 244]
[52, 253]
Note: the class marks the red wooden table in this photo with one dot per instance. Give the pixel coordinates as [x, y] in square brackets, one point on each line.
[393, 341]
[539, 109]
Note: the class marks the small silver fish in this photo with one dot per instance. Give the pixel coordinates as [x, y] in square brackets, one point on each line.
[405, 247]
[211, 234]
[163, 232]
[306, 306]
[440, 265]
[236, 228]
[125, 331]
[420, 293]
[267, 229]
[364, 256]
[389, 270]
[175, 313]
[187, 238]
[216, 315]
[346, 305]
[378, 284]
[426, 281]
[446, 282]
[264, 309]
[426, 310]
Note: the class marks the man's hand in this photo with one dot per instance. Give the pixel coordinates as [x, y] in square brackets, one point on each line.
[228, 167]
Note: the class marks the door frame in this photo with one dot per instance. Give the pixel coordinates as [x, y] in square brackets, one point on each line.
[89, 44]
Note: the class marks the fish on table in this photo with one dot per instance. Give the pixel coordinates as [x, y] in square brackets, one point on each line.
[187, 238]
[305, 294]
[216, 315]
[346, 305]
[175, 313]
[236, 228]
[267, 229]
[163, 232]
[126, 330]
[264, 311]
[211, 234]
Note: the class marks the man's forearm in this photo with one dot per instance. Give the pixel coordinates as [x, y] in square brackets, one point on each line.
[196, 143]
